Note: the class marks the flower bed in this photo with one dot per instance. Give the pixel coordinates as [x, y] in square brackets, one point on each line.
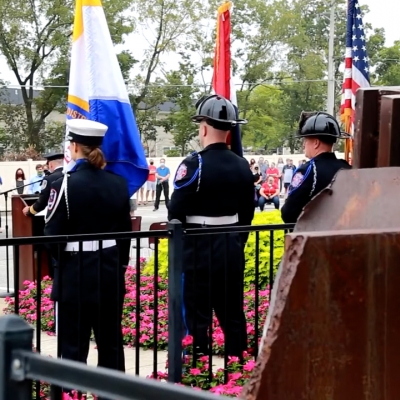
[27, 310]
[198, 376]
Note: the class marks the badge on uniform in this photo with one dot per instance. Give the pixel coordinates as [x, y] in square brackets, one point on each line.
[44, 184]
[297, 179]
[181, 172]
[67, 156]
[52, 199]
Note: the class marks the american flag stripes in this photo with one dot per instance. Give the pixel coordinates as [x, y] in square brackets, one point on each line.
[356, 73]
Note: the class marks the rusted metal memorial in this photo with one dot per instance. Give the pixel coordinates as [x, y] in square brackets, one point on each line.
[333, 329]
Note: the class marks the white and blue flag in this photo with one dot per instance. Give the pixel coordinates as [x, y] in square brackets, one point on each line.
[97, 92]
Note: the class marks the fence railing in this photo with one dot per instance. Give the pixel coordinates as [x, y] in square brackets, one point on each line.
[153, 305]
[19, 366]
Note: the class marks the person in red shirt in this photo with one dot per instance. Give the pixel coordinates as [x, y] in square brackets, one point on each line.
[269, 193]
[274, 172]
[151, 181]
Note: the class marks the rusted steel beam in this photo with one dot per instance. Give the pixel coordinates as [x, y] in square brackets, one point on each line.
[389, 132]
[365, 128]
[356, 199]
[334, 325]
[366, 125]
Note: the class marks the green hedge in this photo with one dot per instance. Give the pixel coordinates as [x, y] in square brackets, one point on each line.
[265, 218]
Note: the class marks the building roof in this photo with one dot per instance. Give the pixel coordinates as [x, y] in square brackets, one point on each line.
[14, 96]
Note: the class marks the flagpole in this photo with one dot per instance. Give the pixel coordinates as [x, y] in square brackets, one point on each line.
[330, 107]
[348, 144]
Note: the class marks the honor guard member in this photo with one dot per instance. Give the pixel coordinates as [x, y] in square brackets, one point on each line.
[89, 286]
[319, 131]
[55, 161]
[214, 187]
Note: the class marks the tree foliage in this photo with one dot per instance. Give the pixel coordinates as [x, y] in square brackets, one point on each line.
[279, 54]
[35, 41]
[183, 95]
[266, 127]
[387, 70]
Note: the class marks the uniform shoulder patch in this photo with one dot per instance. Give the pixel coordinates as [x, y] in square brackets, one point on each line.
[52, 199]
[297, 179]
[44, 184]
[181, 172]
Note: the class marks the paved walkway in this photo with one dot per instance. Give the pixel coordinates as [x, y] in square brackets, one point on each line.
[146, 357]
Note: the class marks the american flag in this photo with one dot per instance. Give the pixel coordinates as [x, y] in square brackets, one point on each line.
[356, 73]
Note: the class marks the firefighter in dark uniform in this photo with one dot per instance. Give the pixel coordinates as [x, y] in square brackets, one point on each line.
[214, 187]
[55, 161]
[320, 131]
[90, 286]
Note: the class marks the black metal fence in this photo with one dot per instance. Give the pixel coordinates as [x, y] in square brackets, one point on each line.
[19, 366]
[147, 322]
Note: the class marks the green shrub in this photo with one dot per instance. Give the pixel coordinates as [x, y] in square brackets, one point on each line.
[265, 218]
[162, 261]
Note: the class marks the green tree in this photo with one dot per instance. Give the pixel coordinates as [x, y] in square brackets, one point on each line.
[126, 63]
[387, 67]
[148, 115]
[13, 133]
[258, 32]
[304, 70]
[266, 128]
[37, 51]
[182, 93]
[167, 26]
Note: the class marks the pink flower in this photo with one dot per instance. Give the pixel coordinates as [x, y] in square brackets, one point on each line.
[144, 338]
[249, 366]
[235, 376]
[187, 341]
[233, 359]
[235, 390]
[220, 389]
[195, 371]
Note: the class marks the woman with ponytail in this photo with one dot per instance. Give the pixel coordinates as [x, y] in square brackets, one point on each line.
[89, 278]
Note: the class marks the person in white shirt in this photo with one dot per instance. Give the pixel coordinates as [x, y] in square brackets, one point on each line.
[287, 172]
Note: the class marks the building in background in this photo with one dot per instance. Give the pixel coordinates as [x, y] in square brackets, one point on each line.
[163, 145]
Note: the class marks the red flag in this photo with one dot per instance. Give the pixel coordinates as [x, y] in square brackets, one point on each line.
[222, 58]
[222, 71]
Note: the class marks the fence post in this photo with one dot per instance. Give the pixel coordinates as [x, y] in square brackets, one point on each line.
[175, 299]
[15, 334]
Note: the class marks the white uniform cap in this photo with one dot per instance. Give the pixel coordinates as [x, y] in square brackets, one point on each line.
[86, 132]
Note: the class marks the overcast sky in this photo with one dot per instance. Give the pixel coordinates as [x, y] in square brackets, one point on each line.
[383, 13]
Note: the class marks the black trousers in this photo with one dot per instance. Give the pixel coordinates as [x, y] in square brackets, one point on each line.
[214, 286]
[163, 186]
[75, 326]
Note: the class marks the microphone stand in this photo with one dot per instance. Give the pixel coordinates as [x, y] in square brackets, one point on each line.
[8, 293]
